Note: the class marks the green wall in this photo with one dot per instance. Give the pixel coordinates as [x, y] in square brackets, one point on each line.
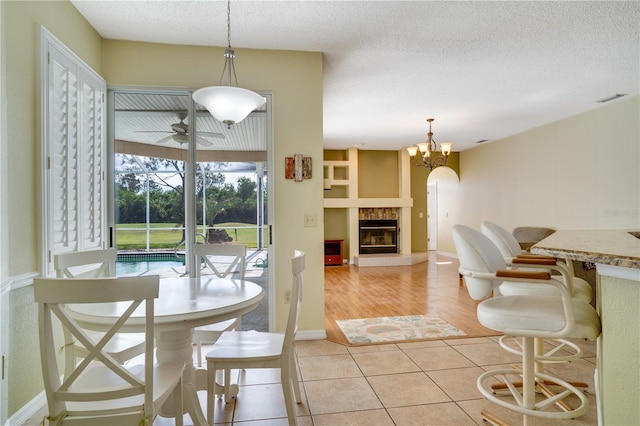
[378, 174]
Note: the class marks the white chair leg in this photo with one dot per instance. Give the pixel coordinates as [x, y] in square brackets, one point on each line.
[528, 377]
[227, 385]
[285, 378]
[211, 391]
[199, 353]
[294, 377]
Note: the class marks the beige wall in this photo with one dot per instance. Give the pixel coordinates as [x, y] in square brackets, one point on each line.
[20, 160]
[294, 79]
[582, 172]
[23, 20]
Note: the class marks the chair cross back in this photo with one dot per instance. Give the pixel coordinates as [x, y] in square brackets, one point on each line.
[52, 296]
[237, 252]
[86, 264]
[95, 350]
[96, 264]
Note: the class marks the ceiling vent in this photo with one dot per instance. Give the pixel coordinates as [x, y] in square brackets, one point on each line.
[610, 98]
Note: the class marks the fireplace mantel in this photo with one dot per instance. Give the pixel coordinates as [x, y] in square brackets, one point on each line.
[346, 203]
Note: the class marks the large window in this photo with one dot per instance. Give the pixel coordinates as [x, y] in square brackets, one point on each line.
[74, 153]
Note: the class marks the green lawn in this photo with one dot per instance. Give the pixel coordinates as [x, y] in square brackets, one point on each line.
[133, 236]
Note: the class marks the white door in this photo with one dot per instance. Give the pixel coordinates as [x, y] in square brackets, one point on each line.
[432, 217]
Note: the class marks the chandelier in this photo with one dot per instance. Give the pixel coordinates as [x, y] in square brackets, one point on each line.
[429, 157]
[229, 104]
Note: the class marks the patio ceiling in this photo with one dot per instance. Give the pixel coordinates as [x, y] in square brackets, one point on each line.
[143, 126]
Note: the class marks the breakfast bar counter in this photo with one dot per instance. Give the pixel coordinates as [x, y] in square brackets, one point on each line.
[613, 248]
[616, 255]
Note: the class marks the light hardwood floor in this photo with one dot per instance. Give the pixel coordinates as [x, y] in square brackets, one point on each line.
[430, 288]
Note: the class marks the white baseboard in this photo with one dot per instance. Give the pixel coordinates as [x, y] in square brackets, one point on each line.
[311, 335]
[27, 411]
[444, 253]
[391, 259]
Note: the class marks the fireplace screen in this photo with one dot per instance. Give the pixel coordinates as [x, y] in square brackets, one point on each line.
[378, 236]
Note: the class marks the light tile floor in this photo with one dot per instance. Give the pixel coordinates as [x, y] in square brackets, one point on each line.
[421, 383]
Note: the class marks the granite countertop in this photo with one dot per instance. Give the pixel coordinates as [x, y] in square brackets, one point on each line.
[610, 247]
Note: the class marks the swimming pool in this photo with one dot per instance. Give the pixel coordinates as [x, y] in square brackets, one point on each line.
[136, 263]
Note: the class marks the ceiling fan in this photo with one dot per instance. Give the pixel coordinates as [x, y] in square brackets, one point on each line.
[180, 131]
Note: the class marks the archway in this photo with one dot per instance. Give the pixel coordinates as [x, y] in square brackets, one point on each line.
[438, 205]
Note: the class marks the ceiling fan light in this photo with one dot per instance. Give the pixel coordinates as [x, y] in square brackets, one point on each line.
[228, 104]
[181, 139]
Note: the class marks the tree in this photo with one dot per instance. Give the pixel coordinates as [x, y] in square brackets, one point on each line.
[129, 182]
[246, 189]
[222, 201]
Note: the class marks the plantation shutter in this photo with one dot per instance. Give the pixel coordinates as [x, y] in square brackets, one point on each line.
[92, 155]
[74, 143]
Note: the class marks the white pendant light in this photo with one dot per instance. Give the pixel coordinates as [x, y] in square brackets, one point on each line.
[229, 104]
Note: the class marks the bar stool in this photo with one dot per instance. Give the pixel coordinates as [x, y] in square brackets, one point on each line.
[529, 317]
[563, 350]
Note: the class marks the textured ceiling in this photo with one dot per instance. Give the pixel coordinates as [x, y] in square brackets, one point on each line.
[484, 70]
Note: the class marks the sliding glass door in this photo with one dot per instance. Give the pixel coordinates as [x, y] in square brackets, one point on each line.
[182, 178]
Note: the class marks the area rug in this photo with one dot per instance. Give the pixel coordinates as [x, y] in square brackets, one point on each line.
[396, 329]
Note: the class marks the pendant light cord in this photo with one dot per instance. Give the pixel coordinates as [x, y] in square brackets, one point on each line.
[229, 23]
[229, 55]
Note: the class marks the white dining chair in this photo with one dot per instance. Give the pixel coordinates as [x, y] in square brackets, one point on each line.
[99, 390]
[97, 264]
[86, 264]
[528, 317]
[253, 349]
[223, 261]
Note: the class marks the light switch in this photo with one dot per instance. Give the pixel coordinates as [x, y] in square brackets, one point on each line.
[310, 220]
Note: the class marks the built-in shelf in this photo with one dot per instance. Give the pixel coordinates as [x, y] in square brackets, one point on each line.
[336, 173]
[344, 174]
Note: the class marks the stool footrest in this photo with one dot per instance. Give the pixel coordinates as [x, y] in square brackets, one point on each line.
[541, 408]
[572, 351]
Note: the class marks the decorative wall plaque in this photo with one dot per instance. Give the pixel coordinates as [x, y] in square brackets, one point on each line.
[297, 167]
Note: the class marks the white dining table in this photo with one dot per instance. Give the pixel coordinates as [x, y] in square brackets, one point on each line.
[182, 304]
